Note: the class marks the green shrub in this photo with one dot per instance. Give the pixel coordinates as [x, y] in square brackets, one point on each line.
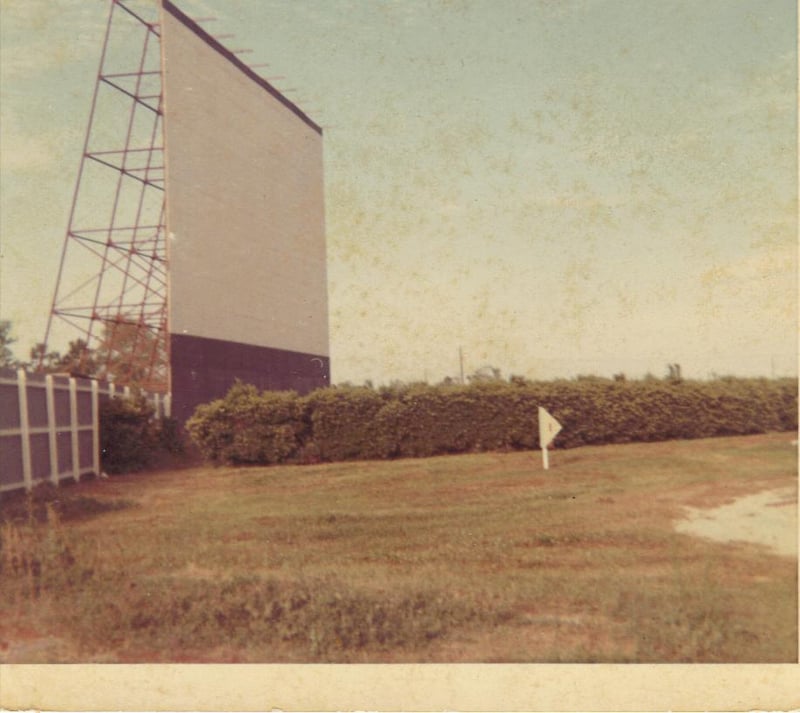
[344, 423]
[418, 420]
[170, 438]
[131, 438]
[248, 427]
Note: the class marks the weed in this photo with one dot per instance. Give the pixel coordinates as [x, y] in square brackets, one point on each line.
[35, 560]
[327, 619]
[688, 617]
[688, 626]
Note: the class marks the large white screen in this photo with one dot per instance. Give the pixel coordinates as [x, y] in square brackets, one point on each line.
[245, 205]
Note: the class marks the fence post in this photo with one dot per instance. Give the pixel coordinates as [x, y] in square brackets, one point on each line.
[51, 427]
[96, 428]
[24, 428]
[73, 418]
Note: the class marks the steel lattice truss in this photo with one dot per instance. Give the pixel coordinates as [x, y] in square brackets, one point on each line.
[111, 290]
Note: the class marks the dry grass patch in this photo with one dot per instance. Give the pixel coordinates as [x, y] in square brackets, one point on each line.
[463, 558]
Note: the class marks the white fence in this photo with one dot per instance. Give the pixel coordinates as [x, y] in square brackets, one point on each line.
[50, 427]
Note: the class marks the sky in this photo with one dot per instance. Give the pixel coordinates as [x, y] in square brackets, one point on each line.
[553, 188]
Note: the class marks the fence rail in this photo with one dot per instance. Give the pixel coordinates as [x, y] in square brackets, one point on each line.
[50, 426]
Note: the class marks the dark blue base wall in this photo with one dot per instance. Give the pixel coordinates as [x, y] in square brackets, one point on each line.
[204, 369]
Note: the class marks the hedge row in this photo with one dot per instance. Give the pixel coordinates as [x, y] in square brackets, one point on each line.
[347, 423]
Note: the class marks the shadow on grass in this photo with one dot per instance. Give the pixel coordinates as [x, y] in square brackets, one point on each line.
[20, 506]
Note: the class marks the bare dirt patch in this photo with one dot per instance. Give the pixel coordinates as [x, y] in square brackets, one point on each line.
[768, 518]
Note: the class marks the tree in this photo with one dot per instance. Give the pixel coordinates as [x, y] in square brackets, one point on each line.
[42, 360]
[7, 360]
[674, 373]
[79, 360]
[484, 374]
[131, 353]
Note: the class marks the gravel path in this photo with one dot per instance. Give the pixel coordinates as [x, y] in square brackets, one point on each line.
[768, 518]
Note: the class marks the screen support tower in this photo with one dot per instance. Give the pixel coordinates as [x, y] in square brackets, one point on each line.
[195, 249]
[111, 290]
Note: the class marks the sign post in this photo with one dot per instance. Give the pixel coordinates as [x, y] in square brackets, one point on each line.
[549, 428]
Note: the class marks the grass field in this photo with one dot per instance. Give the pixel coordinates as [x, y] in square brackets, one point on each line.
[474, 558]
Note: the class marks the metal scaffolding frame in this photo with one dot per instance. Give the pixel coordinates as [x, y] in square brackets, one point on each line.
[112, 283]
[111, 288]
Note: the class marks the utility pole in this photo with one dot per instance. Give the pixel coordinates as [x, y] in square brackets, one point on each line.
[461, 363]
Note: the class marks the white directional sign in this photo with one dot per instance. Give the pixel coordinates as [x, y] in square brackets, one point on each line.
[549, 428]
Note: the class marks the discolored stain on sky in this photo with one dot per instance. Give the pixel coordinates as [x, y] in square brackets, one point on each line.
[556, 188]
